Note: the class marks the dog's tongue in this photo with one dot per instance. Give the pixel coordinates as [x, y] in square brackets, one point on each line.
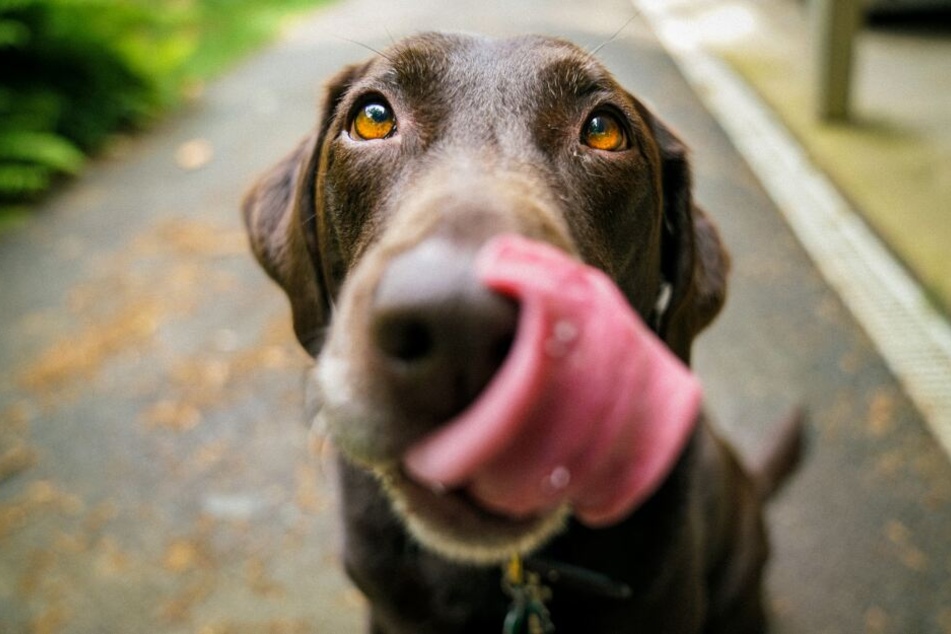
[589, 407]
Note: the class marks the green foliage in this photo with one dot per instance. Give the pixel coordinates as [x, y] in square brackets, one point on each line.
[73, 72]
[28, 160]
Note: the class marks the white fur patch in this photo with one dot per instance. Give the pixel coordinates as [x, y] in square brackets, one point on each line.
[484, 544]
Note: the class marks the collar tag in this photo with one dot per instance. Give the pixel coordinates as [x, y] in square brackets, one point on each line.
[527, 613]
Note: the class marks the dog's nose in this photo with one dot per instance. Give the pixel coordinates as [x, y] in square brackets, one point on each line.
[439, 334]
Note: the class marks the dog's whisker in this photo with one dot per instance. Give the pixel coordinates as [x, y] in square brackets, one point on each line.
[594, 52]
[368, 47]
[322, 449]
[317, 441]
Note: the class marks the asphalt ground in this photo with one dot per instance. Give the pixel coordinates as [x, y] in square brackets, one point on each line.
[155, 470]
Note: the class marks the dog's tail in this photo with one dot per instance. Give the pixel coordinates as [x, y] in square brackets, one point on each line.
[777, 461]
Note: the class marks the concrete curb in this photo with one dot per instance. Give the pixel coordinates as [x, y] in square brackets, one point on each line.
[912, 337]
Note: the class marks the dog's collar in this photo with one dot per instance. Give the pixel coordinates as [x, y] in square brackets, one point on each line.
[578, 579]
[529, 584]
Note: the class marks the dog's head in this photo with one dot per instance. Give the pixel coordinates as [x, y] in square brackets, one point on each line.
[421, 155]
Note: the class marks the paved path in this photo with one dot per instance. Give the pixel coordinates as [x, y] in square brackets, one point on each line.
[154, 468]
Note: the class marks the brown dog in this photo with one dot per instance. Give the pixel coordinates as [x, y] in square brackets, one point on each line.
[371, 225]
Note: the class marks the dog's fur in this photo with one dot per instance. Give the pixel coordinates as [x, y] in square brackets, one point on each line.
[487, 141]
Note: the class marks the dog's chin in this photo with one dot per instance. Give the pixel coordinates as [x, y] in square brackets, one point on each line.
[454, 526]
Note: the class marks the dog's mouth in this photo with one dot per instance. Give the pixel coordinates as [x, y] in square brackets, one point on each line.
[513, 422]
[579, 412]
[456, 525]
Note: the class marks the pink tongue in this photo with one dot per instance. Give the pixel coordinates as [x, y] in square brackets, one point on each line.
[589, 407]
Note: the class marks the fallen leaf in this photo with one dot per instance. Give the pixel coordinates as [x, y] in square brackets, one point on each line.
[194, 154]
[50, 620]
[881, 411]
[182, 555]
[178, 608]
[909, 554]
[15, 460]
[260, 581]
[174, 415]
[80, 355]
[944, 620]
[876, 620]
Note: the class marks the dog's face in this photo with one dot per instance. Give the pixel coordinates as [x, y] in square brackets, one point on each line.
[372, 225]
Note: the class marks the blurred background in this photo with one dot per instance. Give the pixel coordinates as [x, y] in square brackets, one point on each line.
[77, 74]
[156, 473]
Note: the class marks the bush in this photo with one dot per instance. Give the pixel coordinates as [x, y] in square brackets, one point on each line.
[72, 72]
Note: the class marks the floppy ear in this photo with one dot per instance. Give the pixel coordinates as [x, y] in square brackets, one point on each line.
[693, 259]
[280, 216]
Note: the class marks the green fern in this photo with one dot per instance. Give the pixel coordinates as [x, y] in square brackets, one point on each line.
[41, 148]
[18, 181]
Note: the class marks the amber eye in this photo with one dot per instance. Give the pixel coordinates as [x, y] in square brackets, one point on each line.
[602, 131]
[373, 120]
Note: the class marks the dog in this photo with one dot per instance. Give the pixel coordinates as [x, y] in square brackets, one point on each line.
[422, 155]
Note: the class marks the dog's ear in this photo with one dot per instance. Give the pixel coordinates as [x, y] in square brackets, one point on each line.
[693, 259]
[280, 216]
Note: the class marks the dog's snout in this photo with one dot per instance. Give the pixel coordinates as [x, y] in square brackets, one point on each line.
[438, 334]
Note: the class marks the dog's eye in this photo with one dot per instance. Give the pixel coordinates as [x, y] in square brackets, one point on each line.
[374, 120]
[602, 131]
